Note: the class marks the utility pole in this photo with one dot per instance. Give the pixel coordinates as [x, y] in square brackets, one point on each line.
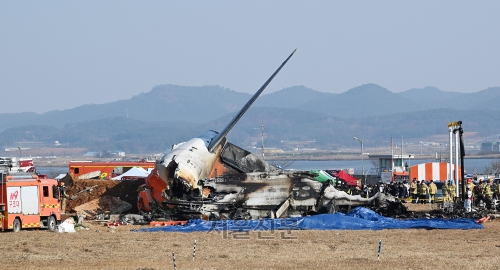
[18, 148]
[262, 139]
[362, 160]
[402, 161]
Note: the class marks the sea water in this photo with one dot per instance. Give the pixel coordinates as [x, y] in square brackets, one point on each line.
[476, 166]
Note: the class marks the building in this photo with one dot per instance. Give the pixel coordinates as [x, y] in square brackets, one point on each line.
[393, 168]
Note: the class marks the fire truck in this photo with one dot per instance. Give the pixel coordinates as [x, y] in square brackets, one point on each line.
[28, 201]
[105, 169]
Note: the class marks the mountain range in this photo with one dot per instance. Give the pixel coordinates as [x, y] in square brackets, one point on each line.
[168, 114]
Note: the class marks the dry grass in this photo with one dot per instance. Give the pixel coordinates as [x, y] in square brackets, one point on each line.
[120, 248]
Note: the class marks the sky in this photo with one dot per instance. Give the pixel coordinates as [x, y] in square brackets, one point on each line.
[57, 55]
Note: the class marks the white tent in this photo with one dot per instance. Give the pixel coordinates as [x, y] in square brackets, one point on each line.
[135, 172]
[61, 176]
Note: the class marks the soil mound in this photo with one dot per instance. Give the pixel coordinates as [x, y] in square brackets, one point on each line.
[84, 191]
[104, 204]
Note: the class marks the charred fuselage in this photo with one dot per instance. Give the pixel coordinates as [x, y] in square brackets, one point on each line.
[208, 177]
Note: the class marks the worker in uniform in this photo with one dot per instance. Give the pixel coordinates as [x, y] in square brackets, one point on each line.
[422, 192]
[62, 197]
[471, 186]
[413, 190]
[446, 192]
[468, 199]
[453, 191]
[432, 191]
[487, 193]
[366, 190]
[478, 193]
[407, 188]
[497, 190]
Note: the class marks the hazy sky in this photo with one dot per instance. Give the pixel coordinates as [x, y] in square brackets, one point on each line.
[63, 54]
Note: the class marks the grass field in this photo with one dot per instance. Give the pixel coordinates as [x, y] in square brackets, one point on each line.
[101, 247]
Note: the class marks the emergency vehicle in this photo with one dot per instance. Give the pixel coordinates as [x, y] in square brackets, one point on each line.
[28, 201]
[105, 169]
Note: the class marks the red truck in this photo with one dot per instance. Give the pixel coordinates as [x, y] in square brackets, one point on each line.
[27, 201]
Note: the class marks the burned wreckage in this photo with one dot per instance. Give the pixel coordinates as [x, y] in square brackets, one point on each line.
[207, 177]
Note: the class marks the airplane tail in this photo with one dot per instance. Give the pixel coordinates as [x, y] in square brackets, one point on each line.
[217, 139]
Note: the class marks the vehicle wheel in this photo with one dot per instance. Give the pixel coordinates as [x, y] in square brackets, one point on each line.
[51, 223]
[17, 225]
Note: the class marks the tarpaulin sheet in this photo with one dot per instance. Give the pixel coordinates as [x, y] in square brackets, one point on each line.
[359, 218]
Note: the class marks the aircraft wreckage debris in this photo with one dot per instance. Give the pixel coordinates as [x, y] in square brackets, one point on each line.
[395, 209]
[209, 178]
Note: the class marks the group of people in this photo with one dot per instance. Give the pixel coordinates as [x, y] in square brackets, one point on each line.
[482, 193]
[398, 190]
[421, 192]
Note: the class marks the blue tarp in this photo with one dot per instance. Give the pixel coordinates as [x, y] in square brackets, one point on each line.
[359, 218]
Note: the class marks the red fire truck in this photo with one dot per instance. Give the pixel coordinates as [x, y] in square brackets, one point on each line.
[27, 201]
[105, 169]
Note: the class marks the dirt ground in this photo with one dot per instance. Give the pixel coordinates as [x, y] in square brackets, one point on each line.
[85, 191]
[101, 247]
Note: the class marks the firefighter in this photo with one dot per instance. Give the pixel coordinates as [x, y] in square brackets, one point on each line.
[472, 187]
[478, 193]
[453, 191]
[487, 193]
[446, 192]
[413, 190]
[62, 195]
[432, 191]
[422, 192]
[497, 189]
[468, 200]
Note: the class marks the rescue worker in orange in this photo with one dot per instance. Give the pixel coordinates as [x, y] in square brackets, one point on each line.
[63, 195]
[432, 191]
[414, 190]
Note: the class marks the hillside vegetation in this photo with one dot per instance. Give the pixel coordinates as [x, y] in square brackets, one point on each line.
[168, 114]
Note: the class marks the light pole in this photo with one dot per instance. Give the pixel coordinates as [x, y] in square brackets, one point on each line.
[362, 160]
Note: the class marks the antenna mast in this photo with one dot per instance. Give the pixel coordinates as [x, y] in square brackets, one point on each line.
[262, 139]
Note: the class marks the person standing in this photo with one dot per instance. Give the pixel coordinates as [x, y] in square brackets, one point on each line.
[432, 191]
[422, 192]
[468, 200]
[487, 194]
[401, 191]
[407, 188]
[471, 186]
[413, 190]
[453, 191]
[446, 192]
[497, 190]
[62, 196]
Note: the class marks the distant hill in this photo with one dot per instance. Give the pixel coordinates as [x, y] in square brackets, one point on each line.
[292, 97]
[364, 101]
[284, 128]
[429, 93]
[206, 103]
[169, 114]
[162, 103]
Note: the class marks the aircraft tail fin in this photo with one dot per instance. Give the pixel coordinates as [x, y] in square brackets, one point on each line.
[217, 140]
